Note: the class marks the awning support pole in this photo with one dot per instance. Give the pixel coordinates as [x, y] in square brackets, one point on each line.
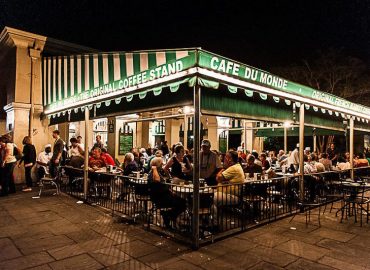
[245, 137]
[351, 126]
[285, 140]
[185, 131]
[301, 148]
[196, 172]
[86, 163]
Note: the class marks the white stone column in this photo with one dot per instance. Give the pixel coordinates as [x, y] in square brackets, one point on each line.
[249, 144]
[112, 137]
[212, 132]
[172, 131]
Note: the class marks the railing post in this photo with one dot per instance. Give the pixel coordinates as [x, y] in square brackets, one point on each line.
[196, 172]
[86, 164]
[351, 126]
[301, 148]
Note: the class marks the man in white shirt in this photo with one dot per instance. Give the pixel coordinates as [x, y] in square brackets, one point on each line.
[293, 159]
[80, 143]
[43, 160]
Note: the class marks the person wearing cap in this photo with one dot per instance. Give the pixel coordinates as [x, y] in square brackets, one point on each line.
[43, 160]
[210, 163]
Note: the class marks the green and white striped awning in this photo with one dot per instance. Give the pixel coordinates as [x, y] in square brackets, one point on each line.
[77, 81]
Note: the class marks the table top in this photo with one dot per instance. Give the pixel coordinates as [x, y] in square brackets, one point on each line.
[258, 182]
[284, 174]
[190, 189]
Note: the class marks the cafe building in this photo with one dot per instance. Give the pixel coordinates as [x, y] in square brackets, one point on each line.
[140, 98]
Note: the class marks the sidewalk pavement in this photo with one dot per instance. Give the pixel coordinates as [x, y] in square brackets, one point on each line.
[54, 232]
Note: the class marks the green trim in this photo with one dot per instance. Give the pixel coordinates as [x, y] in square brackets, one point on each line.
[136, 61]
[110, 68]
[152, 60]
[100, 69]
[83, 74]
[75, 74]
[91, 71]
[308, 131]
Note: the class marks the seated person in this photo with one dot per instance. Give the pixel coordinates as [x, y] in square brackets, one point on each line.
[326, 161]
[156, 153]
[343, 164]
[210, 163]
[108, 159]
[318, 165]
[162, 196]
[137, 159]
[231, 174]
[96, 161]
[129, 164]
[76, 154]
[256, 158]
[272, 157]
[308, 166]
[360, 161]
[179, 166]
[265, 162]
[252, 167]
[43, 160]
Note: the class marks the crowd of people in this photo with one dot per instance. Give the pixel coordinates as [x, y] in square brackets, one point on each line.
[164, 165]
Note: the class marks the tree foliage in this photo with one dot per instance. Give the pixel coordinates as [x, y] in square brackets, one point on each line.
[333, 72]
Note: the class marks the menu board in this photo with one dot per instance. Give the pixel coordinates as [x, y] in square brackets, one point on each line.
[222, 146]
[125, 143]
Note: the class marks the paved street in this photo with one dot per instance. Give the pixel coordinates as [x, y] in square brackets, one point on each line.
[54, 232]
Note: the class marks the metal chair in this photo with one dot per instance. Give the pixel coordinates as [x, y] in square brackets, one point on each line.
[49, 181]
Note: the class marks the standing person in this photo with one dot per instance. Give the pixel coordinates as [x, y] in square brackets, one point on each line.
[43, 162]
[80, 143]
[29, 159]
[241, 147]
[210, 163]
[2, 154]
[99, 142]
[8, 164]
[332, 154]
[57, 153]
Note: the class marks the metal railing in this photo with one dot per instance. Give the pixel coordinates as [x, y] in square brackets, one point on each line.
[223, 209]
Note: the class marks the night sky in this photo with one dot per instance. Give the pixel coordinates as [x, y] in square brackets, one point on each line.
[259, 33]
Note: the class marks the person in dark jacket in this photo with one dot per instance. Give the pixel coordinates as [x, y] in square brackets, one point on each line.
[129, 164]
[29, 159]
